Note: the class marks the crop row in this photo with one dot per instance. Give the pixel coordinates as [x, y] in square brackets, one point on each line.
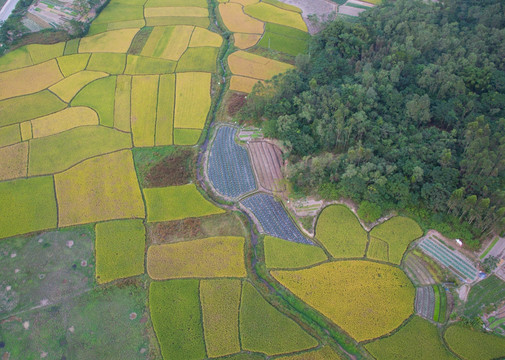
[425, 301]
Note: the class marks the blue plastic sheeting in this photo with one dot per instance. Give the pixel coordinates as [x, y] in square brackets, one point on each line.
[230, 170]
[273, 218]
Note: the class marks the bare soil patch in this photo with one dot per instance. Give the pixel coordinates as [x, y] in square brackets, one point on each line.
[235, 103]
[172, 170]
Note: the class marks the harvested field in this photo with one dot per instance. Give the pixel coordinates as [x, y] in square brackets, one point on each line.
[108, 62]
[474, 345]
[172, 170]
[178, 20]
[55, 153]
[99, 189]
[13, 161]
[160, 3]
[168, 42]
[29, 80]
[341, 233]
[62, 121]
[144, 98]
[244, 41]
[70, 64]
[119, 249]
[418, 339]
[192, 100]
[354, 293]
[16, 59]
[10, 134]
[68, 87]
[267, 162]
[27, 205]
[178, 327]
[186, 136]
[273, 14]
[115, 41]
[165, 112]
[242, 83]
[285, 254]
[229, 168]
[29, 107]
[377, 249]
[235, 102]
[203, 258]
[220, 307]
[176, 11]
[265, 329]
[255, 66]
[199, 59]
[204, 37]
[237, 21]
[122, 103]
[141, 65]
[398, 232]
[325, 353]
[177, 202]
[99, 95]
[40, 53]
[418, 270]
[425, 302]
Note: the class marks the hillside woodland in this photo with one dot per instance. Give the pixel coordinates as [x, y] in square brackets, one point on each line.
[403, 109]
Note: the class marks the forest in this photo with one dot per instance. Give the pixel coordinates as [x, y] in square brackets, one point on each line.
[402, 110]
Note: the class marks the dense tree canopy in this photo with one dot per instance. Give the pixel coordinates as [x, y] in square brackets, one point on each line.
[404, 109]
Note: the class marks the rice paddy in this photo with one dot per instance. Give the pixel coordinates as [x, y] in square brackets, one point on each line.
[242, 83]
[13, 161]
[115, 41]
[141, 65]
[99, 95]
[204, 37]
[63, 120]
[70, 64]
[269, 13]
[67, 88]
[165, 112]
[244, 41]
[15, 59]
[255, 66]
[474, 345]
[110, 63]
[40, 53]
[281, 253]
[192, 100]
[199, 59]
[237, 21]
[143, 109]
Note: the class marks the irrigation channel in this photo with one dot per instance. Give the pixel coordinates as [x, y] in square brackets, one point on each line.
[283, 301]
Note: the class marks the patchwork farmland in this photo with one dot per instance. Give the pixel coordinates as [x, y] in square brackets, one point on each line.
[115, 244]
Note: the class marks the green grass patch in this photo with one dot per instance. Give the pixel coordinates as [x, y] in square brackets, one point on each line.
[178, 20]
[111, 63]
[71, 64]
[177, 202]
[398, 232]
[474, 345]
[485, 292]
[489, 248]
[496, 323]
[145, 158]
[340, 232]
[15, 59]
[55, 153]
[41, 53]
[199, 59]
[220, 300]
[418, 339]
[177, 320]
[9, 135]
[120, 249]
[443, 305]
[141, 65]
[285, 44]
[27, 205]
[144, 97]
[99, 95]
[280, 253]
[97, 28]
[165, 112]
[140, 40]
[265, 329]
[377, 249]
[71, 47]
[115, 12]
[436, 311]
[186, 136]
[29, 107]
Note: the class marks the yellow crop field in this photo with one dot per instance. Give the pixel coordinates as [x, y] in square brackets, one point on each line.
[242, 83]
[165, 113]
[98, 189]
[71, 64]
[15, 59]
[364, 298]
[26, 130]
[115, 41]
[220, 299]
[155, 38]
[161, 3]
[176, 11]
[244, 41]
[203, 258]
[245, 2]
[13, 161]
[127, 24]
[63, 120]
[9, 135]
[40, 53]
[29, 80]
[122, 103]
[144, 99]
[68, 87]
[168, 42]
[325, 353]
[204, 37]
[178, 20]
[269, 13]
[192, 101]
[236, 21]
[255, 66]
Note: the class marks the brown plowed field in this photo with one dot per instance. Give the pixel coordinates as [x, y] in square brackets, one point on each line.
[267, 161]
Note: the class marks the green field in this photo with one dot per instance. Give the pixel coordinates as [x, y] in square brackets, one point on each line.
[474, 345]
[199, 59]
[418, 339]
[141, 65]
[178, 327]
[340, 232]
[107, 62]
[120, 249]
[377, 249]
[99, 95]
[486, 292]
[70, 64]
[280, 253]
[284, 39]
[144, 97]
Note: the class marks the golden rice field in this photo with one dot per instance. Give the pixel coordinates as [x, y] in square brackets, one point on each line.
[242, 83]
[122, 103]
[244, 2]
[168, 42]
[14, 161]
[236, 20]
[192, 100]
[244, 41]
[365, 299]
[115, 41]
[26, 130]
[143, 109]
[204, 37]
[269, 13]
[165, 112]
[68, 87]
[40, 53]
[176, 11]
[255, 66]
[63, 120]
[70, 64]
